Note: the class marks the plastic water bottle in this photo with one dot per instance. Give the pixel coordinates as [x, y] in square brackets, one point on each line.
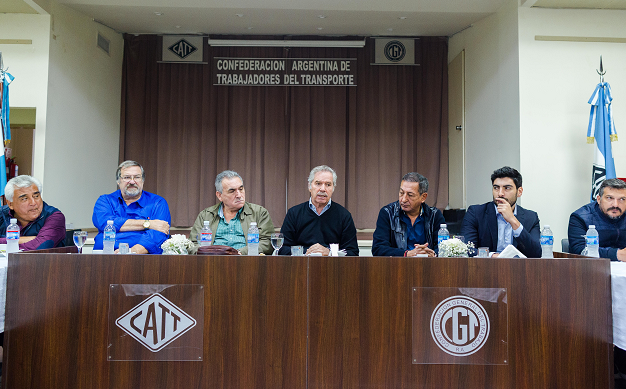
[253, 239]
[443, 234]
[108, 241]
[593, 242]
[206, 235]
[13, 237]
[547, 242]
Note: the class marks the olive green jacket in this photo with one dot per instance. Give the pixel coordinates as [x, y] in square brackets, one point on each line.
[250, 213]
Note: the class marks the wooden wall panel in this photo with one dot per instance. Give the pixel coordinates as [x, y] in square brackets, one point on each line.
[282, 322]
[559, 322]
[254, 333]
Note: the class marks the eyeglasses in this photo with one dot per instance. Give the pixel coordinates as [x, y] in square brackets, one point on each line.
[134, 178]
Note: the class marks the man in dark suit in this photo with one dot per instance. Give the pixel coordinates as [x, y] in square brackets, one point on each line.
[501, 222]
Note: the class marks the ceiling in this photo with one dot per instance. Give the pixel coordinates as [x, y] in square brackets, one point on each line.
[295, 17]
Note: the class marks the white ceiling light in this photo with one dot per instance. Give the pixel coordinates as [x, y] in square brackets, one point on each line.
[284, 43]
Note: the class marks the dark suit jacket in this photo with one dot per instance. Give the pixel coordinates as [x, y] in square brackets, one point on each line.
[481, 227]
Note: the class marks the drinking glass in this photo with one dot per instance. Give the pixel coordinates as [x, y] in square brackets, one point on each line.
[297, 251]
[80, 237]
[277, 241]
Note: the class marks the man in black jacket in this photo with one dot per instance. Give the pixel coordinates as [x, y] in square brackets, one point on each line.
[408, 226]
[502, 222]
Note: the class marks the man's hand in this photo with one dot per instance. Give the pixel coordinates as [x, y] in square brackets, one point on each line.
[136, 249]
[318, 248]
[621, 255]
[505, 209]
[421, 249]
[160, 225]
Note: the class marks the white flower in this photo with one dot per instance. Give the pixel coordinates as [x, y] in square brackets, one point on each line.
[454, 248]
[178, 244]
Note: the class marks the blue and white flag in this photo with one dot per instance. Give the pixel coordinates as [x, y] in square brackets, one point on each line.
[5, 125]
[602, 132]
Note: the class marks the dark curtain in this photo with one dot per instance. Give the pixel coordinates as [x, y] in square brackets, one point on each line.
[184, 130]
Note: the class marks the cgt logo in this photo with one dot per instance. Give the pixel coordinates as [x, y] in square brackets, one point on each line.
[155, 322]
[394, 51]
[182, 48]
[459, 325]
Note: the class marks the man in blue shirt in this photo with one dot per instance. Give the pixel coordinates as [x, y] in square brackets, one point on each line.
[503, 222]
[408, 227]
[141, 219]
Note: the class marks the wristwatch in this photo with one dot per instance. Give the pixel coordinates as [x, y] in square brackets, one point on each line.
[146, 224]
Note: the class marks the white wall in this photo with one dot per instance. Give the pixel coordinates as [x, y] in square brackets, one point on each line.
[29, 65]
[556, 81]
[491, 98]
[83, 121]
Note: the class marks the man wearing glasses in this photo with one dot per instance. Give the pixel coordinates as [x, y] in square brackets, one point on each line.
[141, 219]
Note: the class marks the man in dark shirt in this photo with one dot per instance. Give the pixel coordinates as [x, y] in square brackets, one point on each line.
[317, 223]
[408, 227]
[607, 214]
[41, 225]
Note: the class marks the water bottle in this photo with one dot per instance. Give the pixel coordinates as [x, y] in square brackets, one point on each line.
[547, 242]
[253, 239]
[206, 235]
[443, 234]
[108, 241]
[13, 237]
[593, 242]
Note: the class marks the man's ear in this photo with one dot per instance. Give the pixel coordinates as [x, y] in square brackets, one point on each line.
[520, 190]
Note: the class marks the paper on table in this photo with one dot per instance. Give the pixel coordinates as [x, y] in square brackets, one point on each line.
[511, 252]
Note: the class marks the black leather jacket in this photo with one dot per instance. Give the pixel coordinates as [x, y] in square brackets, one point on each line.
[390, 236]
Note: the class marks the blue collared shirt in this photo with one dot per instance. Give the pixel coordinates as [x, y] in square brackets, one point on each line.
[505, 231]
[315, 209]
[149, 207]
[414, 232]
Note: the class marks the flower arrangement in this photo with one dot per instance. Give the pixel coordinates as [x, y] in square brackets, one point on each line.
[454, 248]
[177, 244]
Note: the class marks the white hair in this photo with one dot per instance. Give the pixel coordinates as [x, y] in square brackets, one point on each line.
[225, 174]
[19, 182]
[322, 168]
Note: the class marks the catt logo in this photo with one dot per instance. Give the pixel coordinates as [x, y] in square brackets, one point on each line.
[459, 326]
[155, 322]
[182, 48]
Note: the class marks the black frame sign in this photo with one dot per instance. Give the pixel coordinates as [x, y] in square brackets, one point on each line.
[284, 71]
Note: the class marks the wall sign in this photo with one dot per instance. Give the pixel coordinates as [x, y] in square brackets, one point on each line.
[284, 71]
[460, 326]
[155, 322]
[182, 49]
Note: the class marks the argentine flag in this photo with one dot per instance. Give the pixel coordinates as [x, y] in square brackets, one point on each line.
[5, 125]
[602, 132]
